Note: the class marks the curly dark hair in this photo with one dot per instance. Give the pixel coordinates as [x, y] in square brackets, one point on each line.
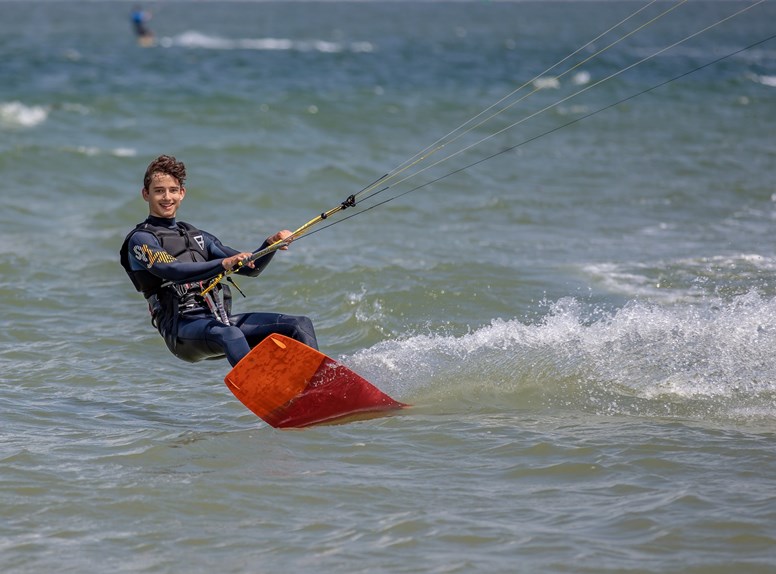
[168, 165]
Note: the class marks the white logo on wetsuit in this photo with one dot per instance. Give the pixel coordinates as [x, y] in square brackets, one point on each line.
[140, 253]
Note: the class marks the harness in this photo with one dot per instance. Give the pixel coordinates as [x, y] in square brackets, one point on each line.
[167, 301]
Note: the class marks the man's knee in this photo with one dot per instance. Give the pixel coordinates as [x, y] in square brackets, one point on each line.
[303, 330]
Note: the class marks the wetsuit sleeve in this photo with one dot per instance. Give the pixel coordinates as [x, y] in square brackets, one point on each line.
[217, 249]
[146, 254]
[261, 263]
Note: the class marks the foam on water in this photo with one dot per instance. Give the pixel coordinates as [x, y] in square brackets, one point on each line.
[19, 115]
[769, 81]
[199, 40]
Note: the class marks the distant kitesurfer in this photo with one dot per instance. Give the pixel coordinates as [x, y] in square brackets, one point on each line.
[171, 262]
[139, 19]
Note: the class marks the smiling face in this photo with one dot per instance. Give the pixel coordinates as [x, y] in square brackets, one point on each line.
[164, 195]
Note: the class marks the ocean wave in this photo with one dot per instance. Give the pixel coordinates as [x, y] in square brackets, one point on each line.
[18, 115]
[546, 82]
[695, 361]
[685, 279]
[93, 151]
[769, 81]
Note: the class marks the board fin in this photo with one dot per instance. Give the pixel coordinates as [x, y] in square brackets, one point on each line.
[291, 385]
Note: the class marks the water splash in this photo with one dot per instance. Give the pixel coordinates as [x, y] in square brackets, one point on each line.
[711, 359]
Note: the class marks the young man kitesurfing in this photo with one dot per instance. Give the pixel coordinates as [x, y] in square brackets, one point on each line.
[172, 263]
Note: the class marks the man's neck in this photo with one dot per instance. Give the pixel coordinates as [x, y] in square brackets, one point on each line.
[161, 221]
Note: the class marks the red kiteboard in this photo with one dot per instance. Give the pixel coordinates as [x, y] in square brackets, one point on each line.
[291, 385]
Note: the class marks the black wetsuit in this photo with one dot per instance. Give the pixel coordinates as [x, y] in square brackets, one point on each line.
[166, 261]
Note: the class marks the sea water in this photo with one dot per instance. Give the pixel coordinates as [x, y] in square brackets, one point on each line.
[577, 293]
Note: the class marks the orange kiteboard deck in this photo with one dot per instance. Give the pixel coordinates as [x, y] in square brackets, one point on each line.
[291, 385]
